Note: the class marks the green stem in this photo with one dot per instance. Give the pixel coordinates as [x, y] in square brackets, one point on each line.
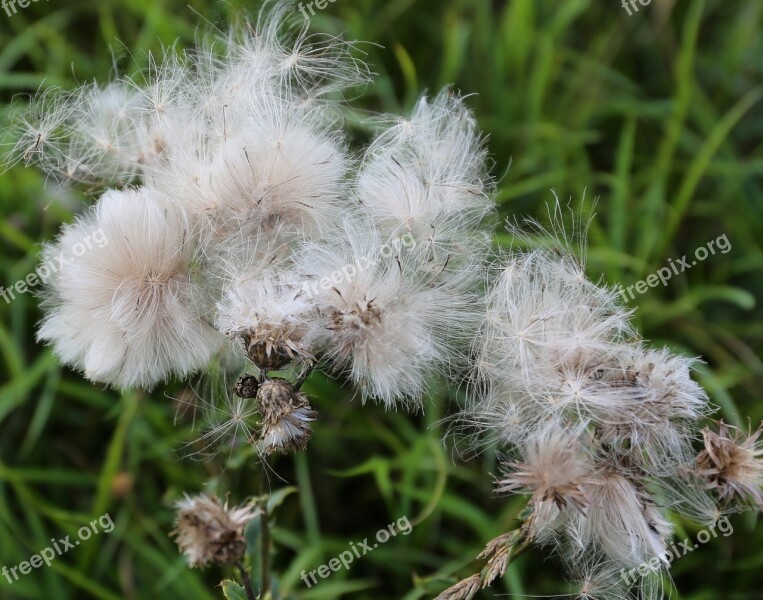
[265, 553]
[303, 377]
[247, 582]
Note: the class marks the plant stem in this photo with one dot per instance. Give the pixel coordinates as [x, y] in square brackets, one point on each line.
[265, 552]
[303, 376]
[247, 582]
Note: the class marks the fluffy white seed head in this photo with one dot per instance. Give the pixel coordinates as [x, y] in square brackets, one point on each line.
[599, 579]
[555, 469]
[623, 522]
[127, 312]
[270, 311]
[283, 167]
[557, 354]
[391, 329]
[426, 176]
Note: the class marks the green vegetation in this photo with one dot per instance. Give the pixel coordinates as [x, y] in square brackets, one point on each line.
[656, 118]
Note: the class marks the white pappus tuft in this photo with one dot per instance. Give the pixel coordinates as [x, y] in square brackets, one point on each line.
[599, 429]
[392, 329]
[126, 312]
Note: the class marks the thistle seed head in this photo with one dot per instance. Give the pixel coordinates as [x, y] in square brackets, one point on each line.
[207, 531]
[286, 417]
[731, 464]
[267, 355]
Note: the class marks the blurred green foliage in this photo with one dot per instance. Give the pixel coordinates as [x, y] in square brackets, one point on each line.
[656, 116]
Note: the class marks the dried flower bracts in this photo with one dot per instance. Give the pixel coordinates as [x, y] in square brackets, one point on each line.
[208, 531]
[286, 417]
[732, 466]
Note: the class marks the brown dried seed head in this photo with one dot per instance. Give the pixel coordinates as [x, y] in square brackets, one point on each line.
[507, 540]
[496, 566]
[207, 531]
[463, 590]
[274, 351]
[277, 398]
[498, 554]
[356, 317]
[731, 464]
[286, 417]
[268, 358]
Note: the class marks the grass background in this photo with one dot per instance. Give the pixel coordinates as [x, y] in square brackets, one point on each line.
[657, 115]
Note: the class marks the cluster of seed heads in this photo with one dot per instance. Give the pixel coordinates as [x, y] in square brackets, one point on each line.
[246, 237]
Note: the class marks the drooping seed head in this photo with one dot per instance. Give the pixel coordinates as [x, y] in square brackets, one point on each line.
[286, 417]
[208, 531]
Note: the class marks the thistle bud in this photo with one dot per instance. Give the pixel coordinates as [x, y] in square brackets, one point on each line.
[246, 386]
